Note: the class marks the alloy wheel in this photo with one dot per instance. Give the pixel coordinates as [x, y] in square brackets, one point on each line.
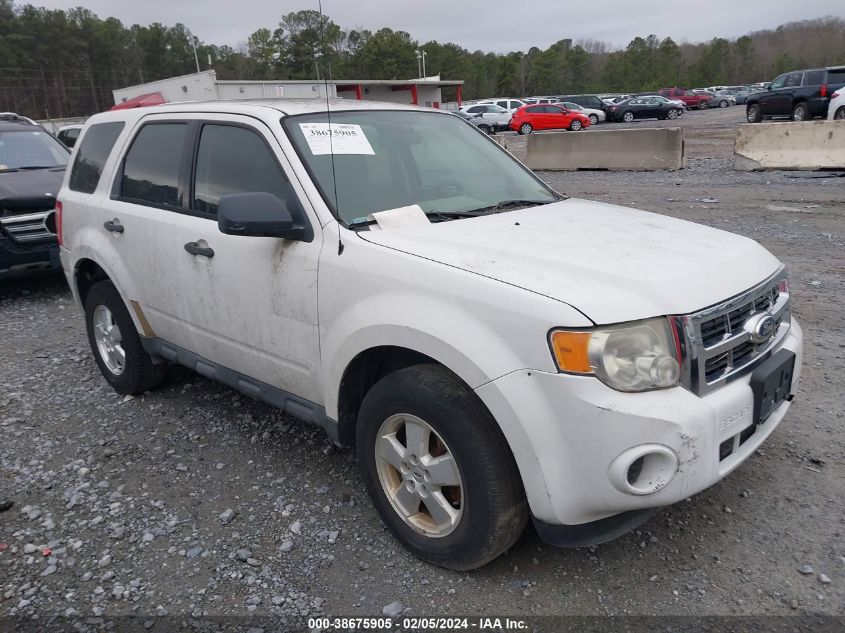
[109, 340]
[419, 475]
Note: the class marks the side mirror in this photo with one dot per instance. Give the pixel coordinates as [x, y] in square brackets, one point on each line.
[261, 214]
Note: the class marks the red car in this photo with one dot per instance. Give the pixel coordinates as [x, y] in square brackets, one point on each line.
[690, 98]
[545, 116]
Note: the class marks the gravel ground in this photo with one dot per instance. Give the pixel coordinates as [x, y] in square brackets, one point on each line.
[194, 500]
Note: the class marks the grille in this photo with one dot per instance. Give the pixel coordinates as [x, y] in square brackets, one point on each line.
[721, 339]
[27, 228]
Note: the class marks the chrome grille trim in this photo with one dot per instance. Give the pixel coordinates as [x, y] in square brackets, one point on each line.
[717, 349]
[27, 228]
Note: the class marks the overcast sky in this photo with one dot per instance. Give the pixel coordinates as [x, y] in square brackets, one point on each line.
[489, 25]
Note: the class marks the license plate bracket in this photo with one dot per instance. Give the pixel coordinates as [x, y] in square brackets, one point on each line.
[771, 384]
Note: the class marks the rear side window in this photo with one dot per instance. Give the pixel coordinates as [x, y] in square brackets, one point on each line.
[234, 159]
[814, 77]
[535, 109]
[475, 109]
[92, 154]
[151, 167]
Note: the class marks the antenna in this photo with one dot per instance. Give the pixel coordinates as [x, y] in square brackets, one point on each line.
[326, 78]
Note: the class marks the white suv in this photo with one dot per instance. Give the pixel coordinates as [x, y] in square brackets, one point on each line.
[495, 350]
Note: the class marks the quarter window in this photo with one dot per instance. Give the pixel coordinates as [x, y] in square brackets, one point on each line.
[151, 168]
[91, 156]
[234, 159]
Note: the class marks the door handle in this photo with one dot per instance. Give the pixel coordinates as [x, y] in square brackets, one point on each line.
[195, 249]
[114, 226]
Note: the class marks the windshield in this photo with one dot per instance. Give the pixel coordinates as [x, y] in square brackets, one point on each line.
[32, 149]
[390, 159]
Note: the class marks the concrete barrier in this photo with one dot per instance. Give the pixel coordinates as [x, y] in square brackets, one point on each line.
[645, 149]
[790, 146]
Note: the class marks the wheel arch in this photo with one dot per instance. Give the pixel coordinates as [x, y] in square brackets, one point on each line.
[86, 273]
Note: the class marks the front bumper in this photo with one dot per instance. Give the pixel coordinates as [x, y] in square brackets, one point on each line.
[566, 433]
[18, 257]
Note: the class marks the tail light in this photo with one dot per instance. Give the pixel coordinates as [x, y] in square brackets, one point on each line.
[823, 90]
[835, 95]
[58, 211]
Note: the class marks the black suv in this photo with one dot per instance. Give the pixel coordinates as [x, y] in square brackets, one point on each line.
[585, 101]
[800, 94]
[32, 166]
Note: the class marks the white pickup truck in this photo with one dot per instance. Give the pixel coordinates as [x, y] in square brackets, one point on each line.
[495, 350]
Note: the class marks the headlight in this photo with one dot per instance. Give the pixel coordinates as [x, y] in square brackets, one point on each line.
[636, 356]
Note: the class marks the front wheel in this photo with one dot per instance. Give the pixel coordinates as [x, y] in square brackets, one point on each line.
[703, 105]
[438, 468]
[594, 119]
[575, 125]
[723, 104]
[526, 128]
[115, 342]
[628, 117]
[753, 114]
[672, 114]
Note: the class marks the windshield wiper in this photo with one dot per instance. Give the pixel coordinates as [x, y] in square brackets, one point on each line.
[504, 205]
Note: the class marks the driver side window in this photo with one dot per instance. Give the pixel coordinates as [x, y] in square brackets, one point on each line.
[234, 159]
[779, 82]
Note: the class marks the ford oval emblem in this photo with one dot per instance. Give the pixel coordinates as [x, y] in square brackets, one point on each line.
[762, 328]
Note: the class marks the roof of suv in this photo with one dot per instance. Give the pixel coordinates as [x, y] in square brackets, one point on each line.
[17, 126]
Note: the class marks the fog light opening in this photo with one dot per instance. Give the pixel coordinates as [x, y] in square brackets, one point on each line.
[635, 470]
[643, 470]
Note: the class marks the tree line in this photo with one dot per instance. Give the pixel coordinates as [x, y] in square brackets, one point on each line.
[56, 63]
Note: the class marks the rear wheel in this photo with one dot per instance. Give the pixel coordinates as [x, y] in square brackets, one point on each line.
[438, 468]
[526, 128]
[800, 112]
[115, 342]
[753, 114]
[840, 114]
[484, 128]
[575, 125]
[628, 117]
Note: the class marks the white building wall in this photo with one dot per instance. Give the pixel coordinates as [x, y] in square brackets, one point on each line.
[273, 90]
[197, 87]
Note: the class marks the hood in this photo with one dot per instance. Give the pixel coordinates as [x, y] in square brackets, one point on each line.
[609, 262]
[31, 189]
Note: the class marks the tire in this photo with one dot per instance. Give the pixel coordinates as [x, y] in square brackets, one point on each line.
[484, 128]
[840, 114]
[723, 104]
[752, 113]
[800, 112]
[488, 511]
[594, 119]
[628, 117]
[576, 125]
[526, 128]
[673, 113]
[703, 105]
[137, 373]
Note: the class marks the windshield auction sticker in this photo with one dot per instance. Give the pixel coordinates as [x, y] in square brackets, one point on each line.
[340, 138]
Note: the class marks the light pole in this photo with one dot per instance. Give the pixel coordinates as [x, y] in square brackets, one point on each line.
[193, 40]
[421, 62]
